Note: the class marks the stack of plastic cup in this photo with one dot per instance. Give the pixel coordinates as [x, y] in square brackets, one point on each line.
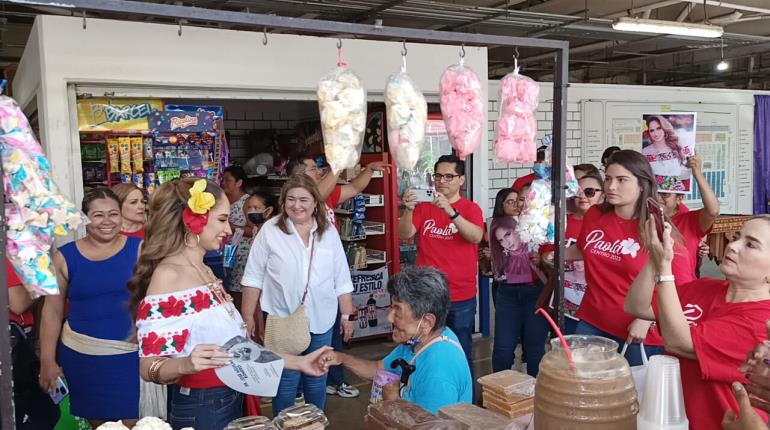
[663, 405]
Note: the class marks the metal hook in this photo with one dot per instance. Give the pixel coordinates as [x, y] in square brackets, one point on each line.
[403, 50]
[85, 24]
[339, 43]
[264, 36]
[516, 50]
[462, 51]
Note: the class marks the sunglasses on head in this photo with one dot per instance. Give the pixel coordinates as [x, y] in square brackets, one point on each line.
[590, 192]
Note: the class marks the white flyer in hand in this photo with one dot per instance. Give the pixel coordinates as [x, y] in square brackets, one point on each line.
[252, 370]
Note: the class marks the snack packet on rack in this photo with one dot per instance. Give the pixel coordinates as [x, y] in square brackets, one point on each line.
[407, 112]
[36, 211]
[342, 104]
[114, 154]
[462, 106]
[516, 125]
[124, 146]
[137, 154]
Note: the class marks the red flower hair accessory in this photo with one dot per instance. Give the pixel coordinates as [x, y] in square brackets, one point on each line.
[196, 215]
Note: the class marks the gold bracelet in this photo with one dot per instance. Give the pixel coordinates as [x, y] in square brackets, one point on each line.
[154, 372]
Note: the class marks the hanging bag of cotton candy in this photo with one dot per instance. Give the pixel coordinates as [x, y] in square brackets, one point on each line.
[342, 105]
[35, 211]
[462, 106]
[407, 113]
[517, 123]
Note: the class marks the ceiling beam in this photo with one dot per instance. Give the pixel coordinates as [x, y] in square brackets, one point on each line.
[369, 13]
[505, 9]
[684, 13]
[642, 9]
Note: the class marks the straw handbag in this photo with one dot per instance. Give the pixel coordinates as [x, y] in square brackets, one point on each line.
[291, 335]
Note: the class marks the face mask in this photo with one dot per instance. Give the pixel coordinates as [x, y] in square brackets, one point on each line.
[414, 341]
[256, 218]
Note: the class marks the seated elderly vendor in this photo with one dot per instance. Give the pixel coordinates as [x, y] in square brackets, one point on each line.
[429, 359]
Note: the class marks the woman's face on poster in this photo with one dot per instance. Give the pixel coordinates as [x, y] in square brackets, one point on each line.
[656, 132]
[508, 238]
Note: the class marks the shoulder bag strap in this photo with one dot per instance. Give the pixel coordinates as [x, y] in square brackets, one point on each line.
[309, 269]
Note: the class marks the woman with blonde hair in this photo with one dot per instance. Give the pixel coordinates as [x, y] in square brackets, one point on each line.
[297, 262]
[133, 203]
[183, 314]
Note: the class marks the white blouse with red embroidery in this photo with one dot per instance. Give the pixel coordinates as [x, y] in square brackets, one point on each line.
[174, 324]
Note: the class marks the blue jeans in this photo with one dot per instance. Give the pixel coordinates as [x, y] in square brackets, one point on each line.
[313, 387]
[570, 326]
[461, 320]
[205, 408]
[336, 374]
[515, 321]
[633, 353]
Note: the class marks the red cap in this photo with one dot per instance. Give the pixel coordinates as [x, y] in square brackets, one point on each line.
[523, 181]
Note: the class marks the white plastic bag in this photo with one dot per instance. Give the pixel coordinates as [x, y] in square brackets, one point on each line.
[638, 372]
[462, 106]
[517, 125]
[407, 112]
[342, 104]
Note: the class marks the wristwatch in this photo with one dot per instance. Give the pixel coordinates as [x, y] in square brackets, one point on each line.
[454, 217]
[348, 317]
[664, 278]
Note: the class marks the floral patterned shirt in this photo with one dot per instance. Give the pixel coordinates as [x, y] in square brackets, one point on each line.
[174, 324]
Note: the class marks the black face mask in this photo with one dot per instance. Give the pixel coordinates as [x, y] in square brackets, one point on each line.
[256, 218]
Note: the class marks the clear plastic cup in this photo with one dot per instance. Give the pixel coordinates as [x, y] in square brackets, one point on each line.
[663, 405]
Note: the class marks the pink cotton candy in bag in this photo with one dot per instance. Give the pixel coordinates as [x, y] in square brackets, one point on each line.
[517, 125]
[462, 106]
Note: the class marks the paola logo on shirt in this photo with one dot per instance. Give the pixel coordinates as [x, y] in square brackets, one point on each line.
[613, 250]
[429, 228]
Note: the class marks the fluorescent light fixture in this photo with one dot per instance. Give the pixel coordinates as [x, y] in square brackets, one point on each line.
[722, 66]
[641, 25]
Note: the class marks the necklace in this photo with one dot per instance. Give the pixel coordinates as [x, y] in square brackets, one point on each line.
[215, 287]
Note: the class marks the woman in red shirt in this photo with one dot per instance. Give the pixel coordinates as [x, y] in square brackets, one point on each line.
[708, 324]
[612, 253]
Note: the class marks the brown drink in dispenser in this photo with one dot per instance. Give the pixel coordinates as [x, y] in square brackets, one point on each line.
[598, 394]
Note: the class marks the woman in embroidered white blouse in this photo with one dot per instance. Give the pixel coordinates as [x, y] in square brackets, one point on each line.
[183, 315]
[298, 243]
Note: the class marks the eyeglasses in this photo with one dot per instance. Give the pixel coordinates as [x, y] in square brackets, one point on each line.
[447, 177]
[590, 192]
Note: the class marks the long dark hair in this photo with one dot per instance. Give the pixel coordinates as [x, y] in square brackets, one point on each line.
[164, 233]
[637, 164]
[498, 211]
[303, 181]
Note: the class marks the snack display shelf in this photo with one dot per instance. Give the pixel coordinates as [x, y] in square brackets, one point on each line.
[374, 256]
[374, 228]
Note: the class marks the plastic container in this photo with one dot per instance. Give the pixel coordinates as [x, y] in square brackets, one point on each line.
[251, 423]
[302, 417]
[599, 394]
[663, 406]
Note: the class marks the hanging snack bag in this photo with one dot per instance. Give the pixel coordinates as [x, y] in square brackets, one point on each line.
[147, 148]
[137, 154]
[124, 146]
[112, 150]
[517, 125]
[342, 105]
[462, 106]
[407, 112]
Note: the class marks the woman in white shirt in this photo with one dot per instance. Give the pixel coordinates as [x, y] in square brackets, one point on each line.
[300, 237]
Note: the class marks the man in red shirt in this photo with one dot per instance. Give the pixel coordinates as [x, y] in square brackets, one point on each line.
[449, 230]
[34, 408]
[333, 194]
[693, 225]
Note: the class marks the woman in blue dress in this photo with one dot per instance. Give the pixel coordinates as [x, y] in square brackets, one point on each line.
[101, 368]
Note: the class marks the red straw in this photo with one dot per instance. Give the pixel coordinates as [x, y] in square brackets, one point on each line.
[561, 336]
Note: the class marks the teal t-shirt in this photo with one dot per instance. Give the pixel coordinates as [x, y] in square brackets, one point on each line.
[441, 376]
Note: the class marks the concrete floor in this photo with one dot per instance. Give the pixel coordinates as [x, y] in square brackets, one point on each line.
[348, 414]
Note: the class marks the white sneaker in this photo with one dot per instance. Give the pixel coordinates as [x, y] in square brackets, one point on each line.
[331, 390]
[347, 391]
